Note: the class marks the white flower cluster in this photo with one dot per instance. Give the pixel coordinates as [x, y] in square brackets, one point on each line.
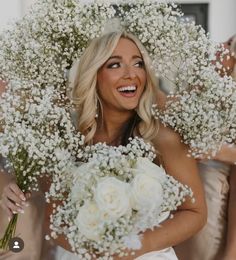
[37, 135]
[44, 44]
[114, 196]
[204, 116]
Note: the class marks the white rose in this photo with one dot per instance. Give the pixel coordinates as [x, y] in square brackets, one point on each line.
[89, 221]
[146, 187]
[144, 165]
[80, 177]
[112, 197]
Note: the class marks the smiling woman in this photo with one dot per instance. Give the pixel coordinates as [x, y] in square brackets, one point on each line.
[114, 74]
[114, 89]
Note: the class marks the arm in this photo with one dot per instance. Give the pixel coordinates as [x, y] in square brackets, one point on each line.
[190, 217]
[227, 154]
[230, 252]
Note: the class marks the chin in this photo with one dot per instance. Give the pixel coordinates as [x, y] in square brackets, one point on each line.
[130, 107]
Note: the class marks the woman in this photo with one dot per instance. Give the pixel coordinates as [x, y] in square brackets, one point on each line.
[217, 240]
[114, 89]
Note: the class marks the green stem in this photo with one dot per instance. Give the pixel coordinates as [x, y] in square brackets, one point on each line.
[9, 233]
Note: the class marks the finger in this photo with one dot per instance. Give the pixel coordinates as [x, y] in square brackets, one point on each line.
[15, 188]
[14, 209]
[10, 195]
[28, 195]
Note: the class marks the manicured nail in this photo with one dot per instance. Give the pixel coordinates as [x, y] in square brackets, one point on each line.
[21, 211]
[22, 197]
[14, 212]
[25, 204]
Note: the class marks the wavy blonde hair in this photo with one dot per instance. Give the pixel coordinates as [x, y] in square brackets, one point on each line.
[83, 82]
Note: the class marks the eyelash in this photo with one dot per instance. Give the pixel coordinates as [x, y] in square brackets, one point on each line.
[117, 65]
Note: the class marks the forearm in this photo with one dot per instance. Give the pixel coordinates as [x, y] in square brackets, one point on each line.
[231, 229]
[61, 239]
[227, 154]
[172, 232]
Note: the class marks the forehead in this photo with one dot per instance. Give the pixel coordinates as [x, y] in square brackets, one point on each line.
[126, 47]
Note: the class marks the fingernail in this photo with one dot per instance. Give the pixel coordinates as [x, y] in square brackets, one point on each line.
[21, 211]
[9, 219]
[22, 197]
[25, 204]
[14, 212]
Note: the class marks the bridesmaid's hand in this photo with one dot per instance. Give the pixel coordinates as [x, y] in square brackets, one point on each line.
[13, 199]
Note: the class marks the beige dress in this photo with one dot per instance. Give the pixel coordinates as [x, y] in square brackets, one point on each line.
[30, 227]
[209, 243]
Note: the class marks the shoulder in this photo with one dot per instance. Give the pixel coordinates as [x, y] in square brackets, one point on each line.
[167, 138]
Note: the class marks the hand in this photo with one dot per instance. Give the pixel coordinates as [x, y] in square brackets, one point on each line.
[13, 199]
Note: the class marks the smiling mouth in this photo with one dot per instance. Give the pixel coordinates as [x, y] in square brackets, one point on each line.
[127, 90]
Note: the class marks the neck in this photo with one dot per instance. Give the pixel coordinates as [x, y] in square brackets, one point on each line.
[111, 126]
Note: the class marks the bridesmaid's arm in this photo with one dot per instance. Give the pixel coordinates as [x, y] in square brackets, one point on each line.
[230, 252]
[227, 154]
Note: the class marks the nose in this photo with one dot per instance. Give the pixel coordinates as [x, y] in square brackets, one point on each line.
[129, 72]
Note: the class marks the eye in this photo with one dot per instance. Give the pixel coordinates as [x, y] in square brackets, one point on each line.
[113, 65]
[139, 64]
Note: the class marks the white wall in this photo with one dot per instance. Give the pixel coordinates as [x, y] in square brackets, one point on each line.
[9, 10]
[222, 15]
[25, 5]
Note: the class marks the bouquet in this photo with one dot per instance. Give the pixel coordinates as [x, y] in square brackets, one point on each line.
[115, 194]
[203, 116]
[38, 137]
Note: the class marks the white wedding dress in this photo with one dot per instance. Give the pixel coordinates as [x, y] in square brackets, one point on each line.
[165, 254]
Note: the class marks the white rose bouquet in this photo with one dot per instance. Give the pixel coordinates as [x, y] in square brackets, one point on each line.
[117, 194]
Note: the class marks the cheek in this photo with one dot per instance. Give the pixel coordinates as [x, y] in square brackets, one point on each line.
[143, 79]
[105, 85]
[107, 80]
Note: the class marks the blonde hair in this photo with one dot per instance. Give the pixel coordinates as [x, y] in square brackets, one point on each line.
[84, 82]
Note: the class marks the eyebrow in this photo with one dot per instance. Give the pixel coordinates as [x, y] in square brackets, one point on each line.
[120, 58]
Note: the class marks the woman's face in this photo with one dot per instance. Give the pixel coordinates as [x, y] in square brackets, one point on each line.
[121, 80]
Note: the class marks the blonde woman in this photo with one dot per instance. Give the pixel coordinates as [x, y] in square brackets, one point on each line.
[217, 240]
[114, 89]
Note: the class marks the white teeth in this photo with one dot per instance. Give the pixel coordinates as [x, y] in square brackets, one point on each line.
[127, 88]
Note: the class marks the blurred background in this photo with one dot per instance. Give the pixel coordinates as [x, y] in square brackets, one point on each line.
[218, 17]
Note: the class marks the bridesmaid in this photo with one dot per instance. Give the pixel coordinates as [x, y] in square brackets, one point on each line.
[217, 240]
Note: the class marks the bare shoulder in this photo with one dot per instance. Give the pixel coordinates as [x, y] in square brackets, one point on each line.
[167, 138]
